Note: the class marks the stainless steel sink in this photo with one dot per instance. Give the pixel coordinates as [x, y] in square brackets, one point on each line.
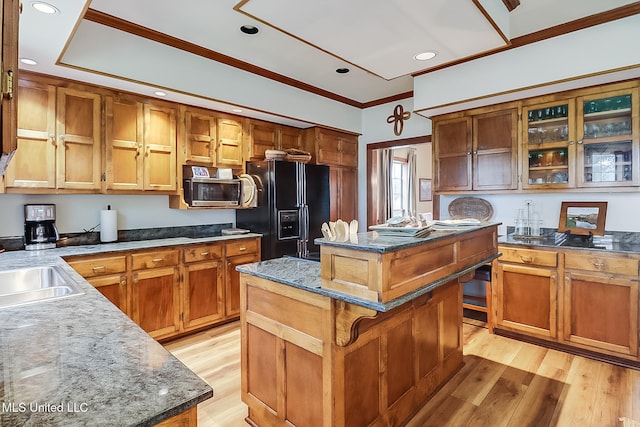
[35, 284]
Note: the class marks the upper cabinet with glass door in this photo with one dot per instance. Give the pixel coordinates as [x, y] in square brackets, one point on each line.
[549, 147]
[607, 149]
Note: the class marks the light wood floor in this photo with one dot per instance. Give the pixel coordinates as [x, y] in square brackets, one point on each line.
[503, 383]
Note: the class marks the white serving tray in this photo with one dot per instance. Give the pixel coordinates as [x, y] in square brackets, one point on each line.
[386, 230]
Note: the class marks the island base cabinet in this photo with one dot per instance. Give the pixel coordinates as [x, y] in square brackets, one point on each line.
[296, 373]
[614, 328]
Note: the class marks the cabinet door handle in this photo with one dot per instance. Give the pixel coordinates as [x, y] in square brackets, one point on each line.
[526, 259]
[580, 142]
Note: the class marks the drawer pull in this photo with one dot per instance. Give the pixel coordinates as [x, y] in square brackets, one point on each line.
[526, 259]
[598, 264]
[99, 268]
[242, 249]
[204, 253]
[158, 259]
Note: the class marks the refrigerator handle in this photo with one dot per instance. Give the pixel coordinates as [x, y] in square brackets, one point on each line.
[304, 235]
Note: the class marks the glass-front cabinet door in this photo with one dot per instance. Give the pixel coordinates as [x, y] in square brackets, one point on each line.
[607, 128]
[549, 145]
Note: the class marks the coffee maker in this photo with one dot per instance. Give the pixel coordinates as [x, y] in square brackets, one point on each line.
[40, 230]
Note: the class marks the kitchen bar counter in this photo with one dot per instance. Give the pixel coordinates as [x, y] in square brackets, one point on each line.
[78, 360]
[350, 356]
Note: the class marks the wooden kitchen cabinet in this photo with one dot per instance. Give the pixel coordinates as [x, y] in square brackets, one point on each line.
[203, 291]
[263, 136]
[124, 143]
[10, 17]
[108, 274]
[526, 292]
[238, 252]
[160, 147]
[155, 295]
[289, 137]
[549, 141]
[600, 294]
[230, 136]
[476, 151]
[200, 138]
[343, 183]
[140, 145]
[607, 139]
[329, 147]
[59, 140]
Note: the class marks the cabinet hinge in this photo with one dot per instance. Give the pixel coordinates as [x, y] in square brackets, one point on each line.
[7, 84]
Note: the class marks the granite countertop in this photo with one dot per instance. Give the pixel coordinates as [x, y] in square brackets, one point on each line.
[305, 274]
[78, 360]
[620, 242]
[382, 243]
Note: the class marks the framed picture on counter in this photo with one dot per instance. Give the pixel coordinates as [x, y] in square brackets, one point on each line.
[584, 218]
[425, 189]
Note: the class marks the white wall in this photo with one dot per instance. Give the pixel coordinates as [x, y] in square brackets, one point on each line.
[375, 128]
[76, 213]
[621, 209]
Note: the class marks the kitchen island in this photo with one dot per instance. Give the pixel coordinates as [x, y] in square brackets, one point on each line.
[78, 360]
[364, 337]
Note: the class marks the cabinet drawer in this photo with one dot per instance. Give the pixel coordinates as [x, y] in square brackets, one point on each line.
[93, 267]
[202, 253]
[528, 256]
[604, 264]
[241, 247]
[144, 260]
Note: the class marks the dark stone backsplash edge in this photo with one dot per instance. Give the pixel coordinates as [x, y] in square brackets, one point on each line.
[93, 238]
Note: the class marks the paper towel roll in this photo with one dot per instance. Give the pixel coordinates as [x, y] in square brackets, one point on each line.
[108, 225]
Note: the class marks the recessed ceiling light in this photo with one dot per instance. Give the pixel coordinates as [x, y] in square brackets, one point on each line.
[424, 56]
[160, 93]
[28, 61]
[44, 7]
[249, 29]
[342, 70]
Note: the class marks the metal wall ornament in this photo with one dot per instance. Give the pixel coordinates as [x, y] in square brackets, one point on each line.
[397, 118]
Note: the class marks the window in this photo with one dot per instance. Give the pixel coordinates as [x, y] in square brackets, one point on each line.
[400, 180]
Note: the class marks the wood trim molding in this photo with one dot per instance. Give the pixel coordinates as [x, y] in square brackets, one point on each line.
[511, 4]
[399, 142]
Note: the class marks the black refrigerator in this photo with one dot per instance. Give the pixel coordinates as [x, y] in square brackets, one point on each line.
[292, 203]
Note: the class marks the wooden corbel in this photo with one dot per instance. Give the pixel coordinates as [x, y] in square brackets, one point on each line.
[347, 316]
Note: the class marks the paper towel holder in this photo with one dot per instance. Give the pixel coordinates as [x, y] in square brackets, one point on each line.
[108, 225]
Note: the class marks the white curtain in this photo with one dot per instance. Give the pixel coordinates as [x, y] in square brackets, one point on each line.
[385, 188]
[413, 179]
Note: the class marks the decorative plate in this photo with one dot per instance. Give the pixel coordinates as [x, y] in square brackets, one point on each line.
[470, 207]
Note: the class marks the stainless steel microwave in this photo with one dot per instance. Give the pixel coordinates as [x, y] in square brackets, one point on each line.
[206, 191]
